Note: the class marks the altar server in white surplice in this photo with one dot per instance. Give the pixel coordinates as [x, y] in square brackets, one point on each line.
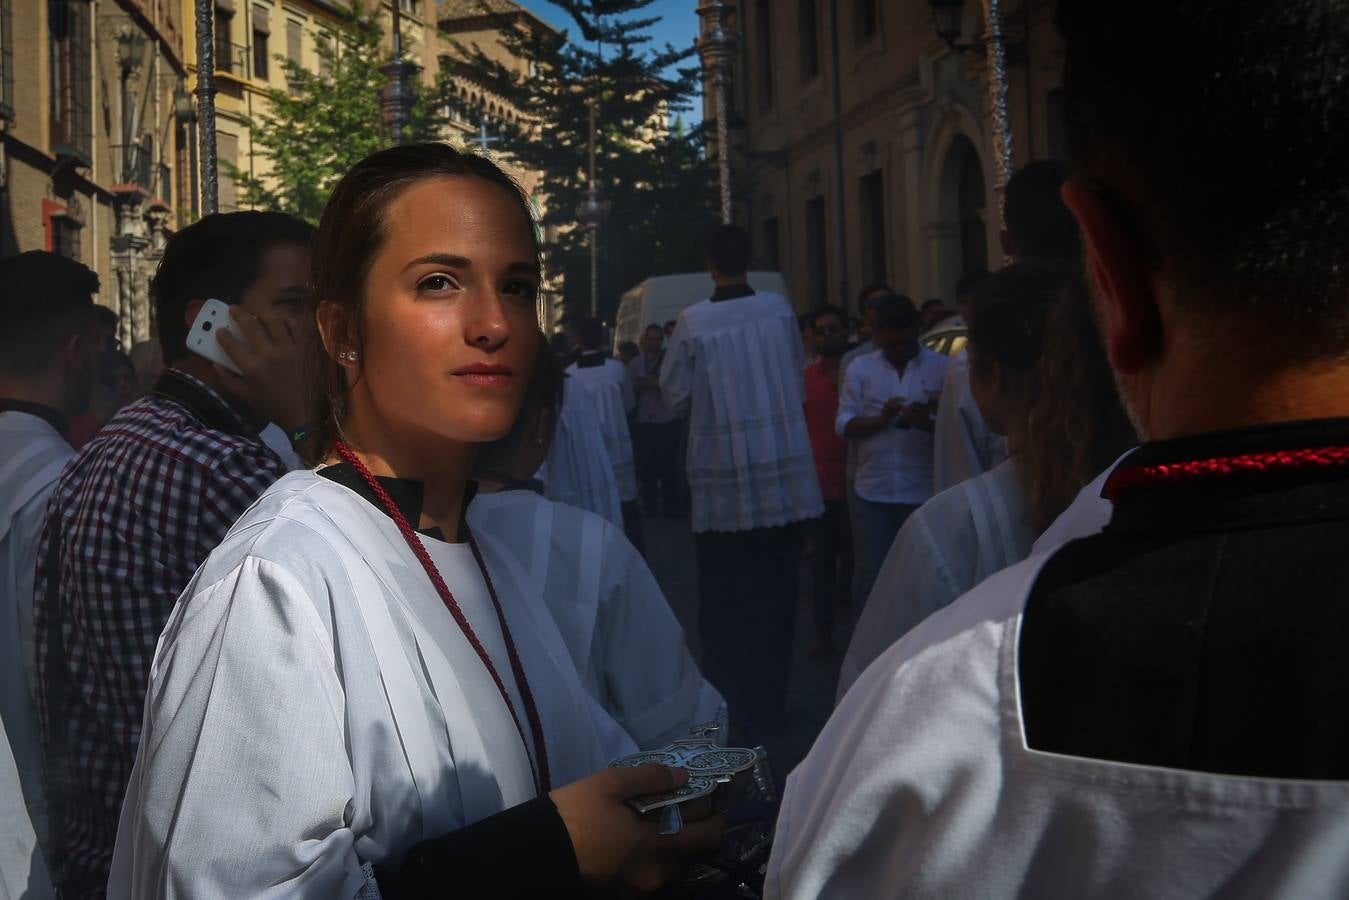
[577, 471]
[735, 362]
[358, 695]
[605, 381]
[627, 645]
[1033, 367]
[48, 365]
[1160, 709]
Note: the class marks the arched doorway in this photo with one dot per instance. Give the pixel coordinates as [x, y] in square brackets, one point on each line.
[961, 228]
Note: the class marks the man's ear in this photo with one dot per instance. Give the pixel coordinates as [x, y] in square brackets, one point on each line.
[192, 311]
[1131, 319]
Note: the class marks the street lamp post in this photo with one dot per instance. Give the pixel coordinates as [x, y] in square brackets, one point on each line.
[397, 96]
[210, 170]
[591, 212]
[717, 47]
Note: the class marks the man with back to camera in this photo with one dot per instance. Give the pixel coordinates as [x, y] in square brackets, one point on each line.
[735, 361]
[50, 349]
[1157, 710]
[144, 503]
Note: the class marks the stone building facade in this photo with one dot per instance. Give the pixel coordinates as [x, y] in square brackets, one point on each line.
[88, 92]
[862, 140]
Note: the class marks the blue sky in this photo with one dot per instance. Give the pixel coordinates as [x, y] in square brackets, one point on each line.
[678, 25]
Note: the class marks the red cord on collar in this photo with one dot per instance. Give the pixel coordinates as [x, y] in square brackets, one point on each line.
[1312, 459]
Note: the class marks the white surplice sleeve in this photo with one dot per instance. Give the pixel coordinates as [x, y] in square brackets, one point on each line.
[676, 372]
[242, 787]
[914, 581]
[650, 683]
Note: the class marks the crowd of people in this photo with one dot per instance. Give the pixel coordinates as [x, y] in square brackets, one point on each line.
[366, 613]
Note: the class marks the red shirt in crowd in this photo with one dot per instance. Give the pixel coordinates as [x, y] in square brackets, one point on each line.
[831, 451]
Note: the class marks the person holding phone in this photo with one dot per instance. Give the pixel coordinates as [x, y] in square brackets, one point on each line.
[134, 515]
[359, 694]
[886, 409]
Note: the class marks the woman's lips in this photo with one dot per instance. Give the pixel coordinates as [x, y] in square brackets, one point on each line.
[483, 375]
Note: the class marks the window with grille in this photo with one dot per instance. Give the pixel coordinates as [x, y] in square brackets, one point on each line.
[763, 40]
[220, 36]
[817, 254]
[809, 26]
[71, 121]
[66, 237]
[6, 61]
[866, 18]
[871, 194]
[262, 31]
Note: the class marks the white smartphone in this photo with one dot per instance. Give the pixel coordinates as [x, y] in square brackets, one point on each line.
[203, 339]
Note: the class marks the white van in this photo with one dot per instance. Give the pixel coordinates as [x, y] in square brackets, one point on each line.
[661, 299]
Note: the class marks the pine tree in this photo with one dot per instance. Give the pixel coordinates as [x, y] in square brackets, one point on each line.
[327, 121]
[656, 178]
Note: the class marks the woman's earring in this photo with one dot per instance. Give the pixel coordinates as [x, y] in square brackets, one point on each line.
[347, 356]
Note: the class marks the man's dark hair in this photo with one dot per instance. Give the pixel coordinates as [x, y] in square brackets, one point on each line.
[629, 347]
[896, 312]
[44, 299]
[728, 247]
[935, 301]
[1224, 149]
[654, 327]
[874, 287]
[590, 332]
[219, 257]
[1041, 226]
[820, 312]
[105, 317]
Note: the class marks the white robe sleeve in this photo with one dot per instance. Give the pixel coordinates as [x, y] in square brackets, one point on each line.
[676, 373]
[649, 682]
[23, 872]
[914, 581]
[242, 785]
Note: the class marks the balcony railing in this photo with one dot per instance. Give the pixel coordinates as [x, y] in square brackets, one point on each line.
[134, 165]
[233, 59]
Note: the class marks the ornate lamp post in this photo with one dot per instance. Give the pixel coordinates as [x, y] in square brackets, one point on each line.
[210, 183]
[717, 48]
[948, 19]
[398, 95]
[591, 212]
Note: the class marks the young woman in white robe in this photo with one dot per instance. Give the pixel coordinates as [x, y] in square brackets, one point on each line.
[341, 706]
[627, 645]
[1046, 386]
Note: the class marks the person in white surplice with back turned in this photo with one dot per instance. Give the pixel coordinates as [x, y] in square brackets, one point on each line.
[736, 361]
[357, 695]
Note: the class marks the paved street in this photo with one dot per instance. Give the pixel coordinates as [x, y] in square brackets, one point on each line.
[810, 696]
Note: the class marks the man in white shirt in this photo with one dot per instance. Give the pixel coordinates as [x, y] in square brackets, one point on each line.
[655, 431]
[49, 353]
[889, 397]
[608, 386]
[735, 360]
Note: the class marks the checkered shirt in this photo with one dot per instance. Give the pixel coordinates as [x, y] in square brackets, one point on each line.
[131, 519]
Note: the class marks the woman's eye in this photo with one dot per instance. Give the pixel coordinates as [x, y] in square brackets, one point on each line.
[525, 289]
[436, 284]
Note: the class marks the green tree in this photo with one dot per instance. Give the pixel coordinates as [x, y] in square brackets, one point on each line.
[327, 121]
[657, 179]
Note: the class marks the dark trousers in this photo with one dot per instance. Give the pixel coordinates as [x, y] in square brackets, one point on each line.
[832, 565]
[657, 450]
[747, 595]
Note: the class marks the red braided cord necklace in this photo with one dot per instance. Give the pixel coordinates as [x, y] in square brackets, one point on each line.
[542, 778]
[1313, 459]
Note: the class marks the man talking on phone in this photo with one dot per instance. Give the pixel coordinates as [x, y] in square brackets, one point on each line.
[886, 409]
[144, 503]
